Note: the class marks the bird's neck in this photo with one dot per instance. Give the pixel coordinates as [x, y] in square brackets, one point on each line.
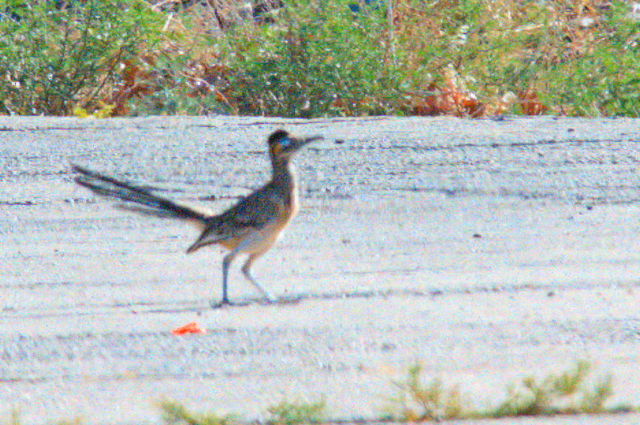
[283, 171]
[284, 176]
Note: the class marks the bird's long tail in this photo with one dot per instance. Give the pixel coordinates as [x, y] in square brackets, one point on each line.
[134, 198]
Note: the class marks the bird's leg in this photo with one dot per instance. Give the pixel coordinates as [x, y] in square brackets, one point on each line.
[246, 270]
[226, 263]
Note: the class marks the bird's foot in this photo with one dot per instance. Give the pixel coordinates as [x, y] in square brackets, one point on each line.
[224, 303]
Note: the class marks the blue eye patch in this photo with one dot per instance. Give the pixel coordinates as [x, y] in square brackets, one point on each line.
[284, 142]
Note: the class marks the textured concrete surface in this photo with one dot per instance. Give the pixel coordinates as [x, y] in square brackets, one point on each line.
[486, 250]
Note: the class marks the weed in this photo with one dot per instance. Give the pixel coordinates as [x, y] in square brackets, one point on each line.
[283, 413]
[566, 393]
[74, 421]
[416, 401]
[571, 392]
[556, 394]
[295, 413]
[14, 418]
[174, 413]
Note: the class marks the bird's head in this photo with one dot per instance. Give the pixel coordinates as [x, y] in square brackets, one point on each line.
[283, 145]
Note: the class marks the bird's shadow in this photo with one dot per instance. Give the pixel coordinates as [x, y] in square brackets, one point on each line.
[287, 300]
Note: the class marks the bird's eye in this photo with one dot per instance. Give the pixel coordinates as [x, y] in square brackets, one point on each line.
[284, 142]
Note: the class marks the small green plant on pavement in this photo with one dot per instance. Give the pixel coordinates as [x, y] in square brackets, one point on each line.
[416, 401]
[283, 413]
[564, 393]
[174, 413]
[569, 392]
[296, 413]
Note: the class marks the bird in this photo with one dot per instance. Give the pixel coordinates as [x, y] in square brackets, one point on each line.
[251, 226]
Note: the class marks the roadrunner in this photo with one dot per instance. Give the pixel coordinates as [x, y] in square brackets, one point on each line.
[250, 227]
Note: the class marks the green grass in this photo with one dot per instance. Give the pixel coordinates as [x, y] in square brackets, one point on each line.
[283, 413]
[320, 61]
[297, 413]
[556, 394]
[52, 60]
[174, 413]
[414, 399]
[571, 392]
[14, 419]
[458, 57]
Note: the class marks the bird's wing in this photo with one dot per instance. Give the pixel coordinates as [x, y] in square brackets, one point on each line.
[251, 213]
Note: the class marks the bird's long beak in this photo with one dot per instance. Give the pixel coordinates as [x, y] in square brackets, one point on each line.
[311, 139]
[314, 138]
[302, 141]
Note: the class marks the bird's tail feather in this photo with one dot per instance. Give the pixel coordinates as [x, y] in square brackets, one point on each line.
[134, 198]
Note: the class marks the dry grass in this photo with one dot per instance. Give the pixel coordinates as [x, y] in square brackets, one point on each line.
[465, 58]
